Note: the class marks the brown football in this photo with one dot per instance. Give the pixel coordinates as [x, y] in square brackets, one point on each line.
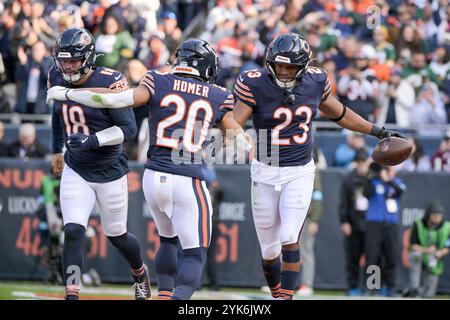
[392, 151]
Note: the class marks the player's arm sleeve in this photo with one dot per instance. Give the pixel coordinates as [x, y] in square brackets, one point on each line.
[226, 106]
[148, 82]
[126, 122]
[326, 89]
[243, 92]
[57, 133]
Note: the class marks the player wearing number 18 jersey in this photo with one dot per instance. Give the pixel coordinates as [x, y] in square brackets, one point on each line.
[183, 106]
[95, 167]
[283, 98]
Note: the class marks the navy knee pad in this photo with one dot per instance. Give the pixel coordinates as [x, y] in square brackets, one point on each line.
[73, 232]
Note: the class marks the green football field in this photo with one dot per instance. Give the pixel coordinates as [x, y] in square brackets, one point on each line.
[39, 291]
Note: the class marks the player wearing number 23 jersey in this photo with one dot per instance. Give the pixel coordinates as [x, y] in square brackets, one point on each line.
[283, 98]
[183, 106]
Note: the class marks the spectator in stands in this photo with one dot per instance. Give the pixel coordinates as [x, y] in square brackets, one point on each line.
[123, 12]
[307, 239]
[27, 145]
[4, 147]
[172, 34]
[345, 152]
[432, 20]
[429, 110]
[347, 50]
[383, 191]
[227, 11]
[385, 50]
[32, 75]
[114, 43]
[409, 42]
[440, 160]
[154, 54]
[4, 103]
[446, 92]
[45, 30]
[359, 87]
[352, 210]
[429, 244]
[417, 161]
[7, 23]
[417, 72]
[440, 64]
[187, 9]
[396, 100]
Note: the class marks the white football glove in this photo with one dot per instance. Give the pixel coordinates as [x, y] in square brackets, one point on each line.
[57, 93]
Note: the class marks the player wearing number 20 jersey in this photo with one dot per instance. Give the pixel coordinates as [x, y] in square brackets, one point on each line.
[182, 110]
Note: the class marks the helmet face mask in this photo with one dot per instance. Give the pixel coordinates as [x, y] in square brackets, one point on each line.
[74, 54]
[197, 59]
[288, 49]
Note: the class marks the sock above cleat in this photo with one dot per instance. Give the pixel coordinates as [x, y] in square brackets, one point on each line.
[164, 294]
[72, 292]
[139, 274]
[286, 294]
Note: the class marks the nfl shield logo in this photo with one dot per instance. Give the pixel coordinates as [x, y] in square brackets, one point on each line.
[162, 179]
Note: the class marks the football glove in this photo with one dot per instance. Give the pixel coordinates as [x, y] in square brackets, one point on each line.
[80, 141]
[382, 133]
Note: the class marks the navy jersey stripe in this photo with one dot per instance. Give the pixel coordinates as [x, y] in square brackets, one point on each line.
[208, 212]
[242, 85]
[148, 87]
[244, 98]
[202, 213]
[243, 91]
[149, 82]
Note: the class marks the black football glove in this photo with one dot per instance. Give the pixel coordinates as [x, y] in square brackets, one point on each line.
[80, 141]
[382, 133]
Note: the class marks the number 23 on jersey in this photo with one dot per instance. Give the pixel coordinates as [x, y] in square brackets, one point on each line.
[288, 116]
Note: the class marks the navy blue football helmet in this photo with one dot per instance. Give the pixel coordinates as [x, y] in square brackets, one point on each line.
[292, 49]
[196, 58]
[75, 44]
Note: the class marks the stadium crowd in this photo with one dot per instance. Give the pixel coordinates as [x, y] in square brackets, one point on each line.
[387, 59]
